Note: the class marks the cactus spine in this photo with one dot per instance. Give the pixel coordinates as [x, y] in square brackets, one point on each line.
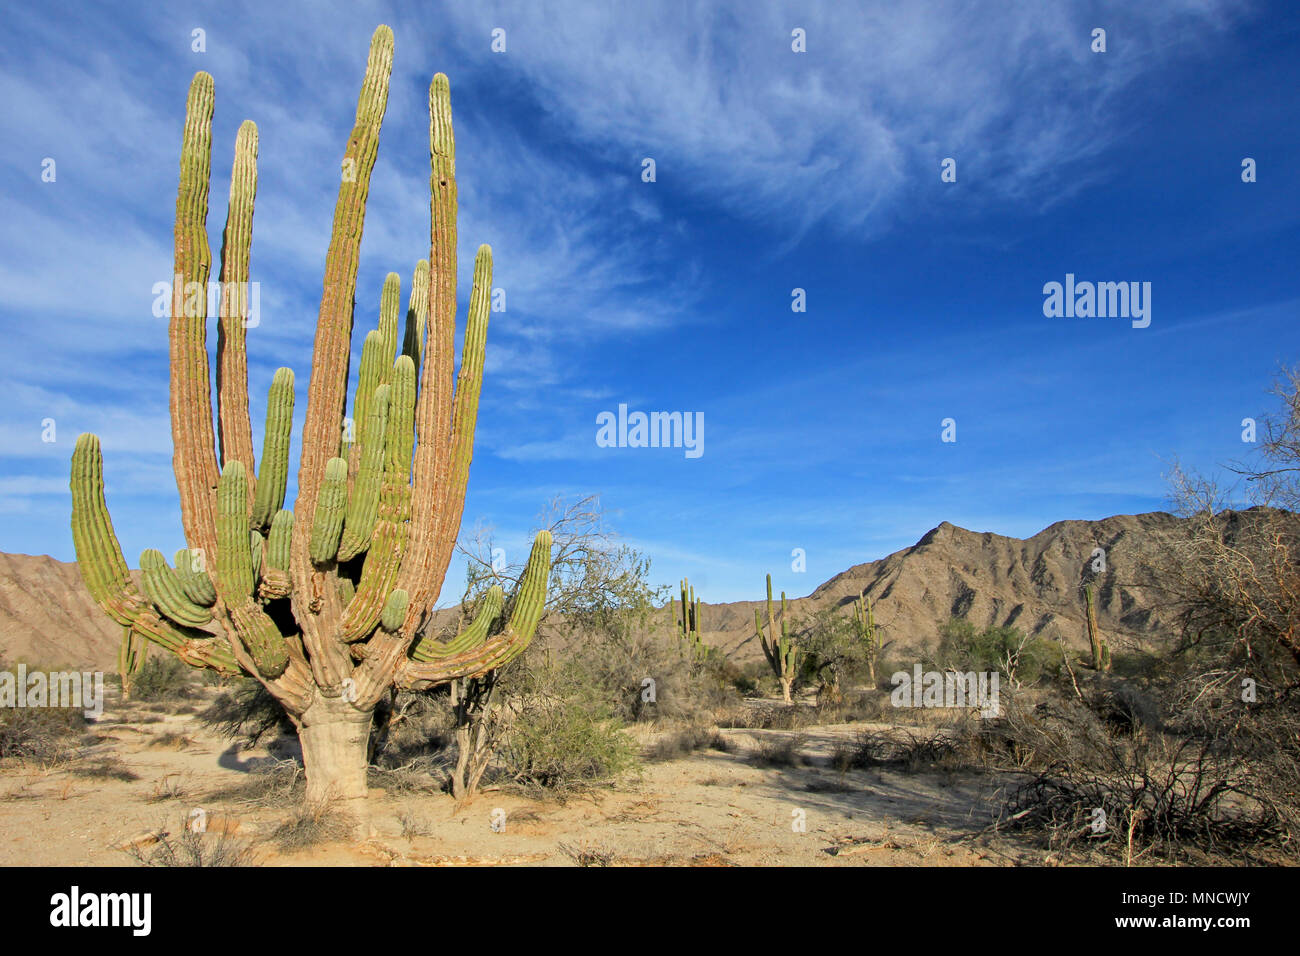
[864, 626]
[778, 647]
[1100, 649]
[327, 611]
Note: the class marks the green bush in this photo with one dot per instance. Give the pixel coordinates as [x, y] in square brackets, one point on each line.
[1007, 650]
[561, 742]
[163, 677]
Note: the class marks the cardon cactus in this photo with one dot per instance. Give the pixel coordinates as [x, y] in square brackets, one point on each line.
[1100, 649]
[864, 627]
[778, 647]
[324, 604]
[688, 628]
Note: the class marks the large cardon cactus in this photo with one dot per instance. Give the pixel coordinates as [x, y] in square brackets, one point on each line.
[326, 605]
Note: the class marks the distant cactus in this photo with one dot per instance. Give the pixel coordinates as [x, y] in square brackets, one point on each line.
[688, 627]
[864, 626]
[778, 647]
[327, 611]
[1100, 649]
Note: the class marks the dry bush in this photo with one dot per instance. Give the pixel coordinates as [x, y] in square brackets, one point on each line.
[278, 784]
[778, 751]
[40, 735]
[313, 825]
[195, 849]
[686, 740]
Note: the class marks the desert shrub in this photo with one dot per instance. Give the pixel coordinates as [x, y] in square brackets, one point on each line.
[164, 677]
[313, 825]
[195, 849]
[562, 737]
[1215, 778]
[246, 712]
[686, 740]
[904, 750]
[1018, 657]
[39, 734]
[778, 751]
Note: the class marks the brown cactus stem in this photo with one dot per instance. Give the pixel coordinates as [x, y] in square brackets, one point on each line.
[235, 431]
[315, 598]
[194, 460]
[434, 410]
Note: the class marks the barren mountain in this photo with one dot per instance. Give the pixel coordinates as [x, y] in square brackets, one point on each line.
[1035, 584]
[47, 616]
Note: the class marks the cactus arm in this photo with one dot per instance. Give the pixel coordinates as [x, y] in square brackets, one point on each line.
[275, 573]
[274, 473]
[363, 502]
[164, 589]
[434, 412]
[255, 631]
[496, 651]
[316, 605]
[417, 314]
[194, 458]
[388, 541]
[234, 430]
[489, 609]
[331, 505]
[197, 585]
[99, 558]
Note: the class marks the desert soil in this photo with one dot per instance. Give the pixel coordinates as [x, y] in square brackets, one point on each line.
[709, 808]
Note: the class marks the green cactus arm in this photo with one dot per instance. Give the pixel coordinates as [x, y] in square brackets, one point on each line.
[394, 612]
[194, 578]
[371, 375]
[388, 540]
[234, 431]
[193, 437]
[163, 587]
[327, 390]
[102, 567]
[390, 304]
[330, 508]
[275, 572]
[500, 649]
[363, 502]
[274, 472]
[417, 314]
[489, 609]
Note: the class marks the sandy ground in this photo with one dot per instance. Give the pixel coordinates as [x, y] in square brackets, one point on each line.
[710, 808]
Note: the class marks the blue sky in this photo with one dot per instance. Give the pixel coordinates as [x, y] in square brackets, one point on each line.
[775, 170]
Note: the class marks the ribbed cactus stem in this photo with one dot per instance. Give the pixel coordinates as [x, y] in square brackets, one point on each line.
[234, 430]
[1100, 652]
[131, 657]
[164, 588]
[194, 578]
[331, 507]
[390, 304]
[778, 647]
[234, 556]
[394, 612]
[363, 502]
[274, 471]
[417, 314]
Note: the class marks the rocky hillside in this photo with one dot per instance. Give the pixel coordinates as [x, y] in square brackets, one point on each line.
[1035, 584]
[48, 617]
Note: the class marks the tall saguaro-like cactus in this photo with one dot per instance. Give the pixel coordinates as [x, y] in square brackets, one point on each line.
[688, 628]
[1097, 643]
[325, 604]
[864, 627]
[778, 647]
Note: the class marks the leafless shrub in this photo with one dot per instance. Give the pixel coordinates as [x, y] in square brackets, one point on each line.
[195, 849]
[313, 825]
